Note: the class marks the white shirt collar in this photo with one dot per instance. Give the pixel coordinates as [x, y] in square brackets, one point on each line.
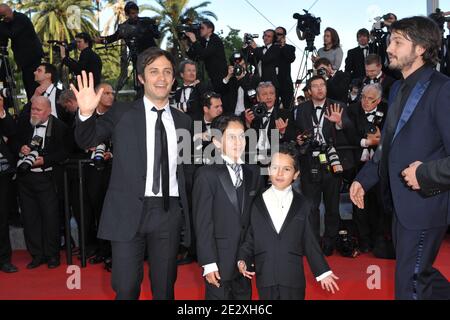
[149, 104]
[374, 110]
[271, 110]
[281, 192]
[50, 88]
[229, 161]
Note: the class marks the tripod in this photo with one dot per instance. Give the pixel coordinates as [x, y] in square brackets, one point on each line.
[124, 75]
[9, 92]
[304, 74]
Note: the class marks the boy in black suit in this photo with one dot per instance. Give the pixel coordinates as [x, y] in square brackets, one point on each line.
[280, 235]
[222, 197]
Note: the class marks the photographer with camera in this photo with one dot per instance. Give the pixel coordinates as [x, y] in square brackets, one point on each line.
[266, 116]
[331, 49]
[321, 126]
[7, 169]
[375, 74]
[43, 141]
[89, 61]
[188, 97]
[209, 49]
[139, 33]
[355, 61]
[338, 81]
[373, 222]
[238, 84]
[287, 57]
[25, 44]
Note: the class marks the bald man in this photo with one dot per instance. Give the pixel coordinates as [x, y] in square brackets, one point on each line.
[25, 44]
[37, 191]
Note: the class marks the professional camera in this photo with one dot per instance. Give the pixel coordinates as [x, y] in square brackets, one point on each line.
[346, 245]
[333, 160]
[375, 124]
[235, 60]
[25, 164]
[259, 109]
[98, 156]
[248, 38]
[310, 26]
[187, 25]
[439, 18]
[310, 142]
[322, 72]
[69, 46]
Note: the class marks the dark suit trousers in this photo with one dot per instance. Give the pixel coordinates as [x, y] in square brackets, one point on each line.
[329, 186]
[40, 214]
[281, 293]
[28, 78]
[416, 251]
[5, 244]
[240, 288]
[159, 235]
[286, 93]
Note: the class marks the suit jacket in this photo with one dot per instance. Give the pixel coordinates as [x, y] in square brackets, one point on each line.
[125, 123]
[338, 86]
[25, 43]
[194, 107]
[230, 90]
[278, 257]
[57, 145]
[422, 134]
[270, 62]
[434, 176]
[220, 222]
[89, 61]
[344, 137]
[8, 129]
[213, 55]
[287, 57]
[355, 62]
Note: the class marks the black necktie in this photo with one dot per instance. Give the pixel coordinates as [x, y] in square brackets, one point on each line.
[161, 160]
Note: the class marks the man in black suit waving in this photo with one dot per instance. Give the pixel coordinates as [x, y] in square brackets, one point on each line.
[146, 204]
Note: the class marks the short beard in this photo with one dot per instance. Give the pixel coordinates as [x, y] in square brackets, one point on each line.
[35, 121]
[405, 62]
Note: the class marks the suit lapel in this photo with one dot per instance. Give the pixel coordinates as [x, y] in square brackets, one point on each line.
[140, 121]
[295, 206]
[227, 184]
[262, 208]
[248, 178]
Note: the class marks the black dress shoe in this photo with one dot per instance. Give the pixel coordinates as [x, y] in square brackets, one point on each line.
[53, 263]
[97, 259]
[8, 268]
[36, 262]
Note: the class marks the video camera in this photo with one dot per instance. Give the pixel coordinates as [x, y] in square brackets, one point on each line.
[68, 46]
[439, 17]
[309, 26]
[259, 109]
[187, 25]
[28, 161]
[248, 38]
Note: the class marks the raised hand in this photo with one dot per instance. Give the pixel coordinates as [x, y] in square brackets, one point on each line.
[86, 97]
[334, 114]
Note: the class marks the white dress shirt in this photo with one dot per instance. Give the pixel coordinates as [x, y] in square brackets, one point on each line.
[50, 93]
[41, 132]
[263, 140]
[278, 203]
[185, 95]
[211, 267]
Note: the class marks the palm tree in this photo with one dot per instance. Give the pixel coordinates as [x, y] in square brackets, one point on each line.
[170, 13]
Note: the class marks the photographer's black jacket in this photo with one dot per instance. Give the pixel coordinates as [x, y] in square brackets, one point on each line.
[144, 30]
[7, 129]
[25, 43]
[230, 91]
[89, 61]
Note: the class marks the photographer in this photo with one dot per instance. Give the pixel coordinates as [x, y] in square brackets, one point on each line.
[7, 169]
[211, 51]
[287, 57]
[338, 81]
[138, 33]
[25, 44]
[42, 141]
[238, 84]
[373, 222]
[354, 63]
[375, 74]
[188, 97]
[320, 127]
[89, 61]
[331, 49]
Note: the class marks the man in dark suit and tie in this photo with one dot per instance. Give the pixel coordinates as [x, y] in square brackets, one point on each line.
[222, 198]
[146, 205]
[375, 74]
[211, 51]
[354, 63]
[416, 129]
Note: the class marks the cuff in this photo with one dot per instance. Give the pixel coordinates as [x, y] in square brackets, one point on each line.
[338, 127]
[208, 268]
[363, 143]
[82, 118]
[323, 275]
[225, 81]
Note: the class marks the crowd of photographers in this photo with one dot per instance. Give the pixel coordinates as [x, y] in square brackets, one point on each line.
[336, 126]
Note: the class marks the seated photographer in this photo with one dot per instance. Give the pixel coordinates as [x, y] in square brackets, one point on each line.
[287, 57]
[356, 57]
[265, 117]
[7, 169]
[374, 74]
[42, 141]
[331, 49]
[237, 85]
[211, 51]
[337, 81]
[321, 126]
[373, 223]
[139, 33]
[188, 97]
[89, 61]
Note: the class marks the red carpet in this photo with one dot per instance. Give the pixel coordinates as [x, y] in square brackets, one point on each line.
[45, 284]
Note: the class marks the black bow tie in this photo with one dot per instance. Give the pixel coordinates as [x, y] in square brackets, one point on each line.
[208, 124]
[364, 48]
[318, 108]
[368, 114]
[41, 126]
[189, 86]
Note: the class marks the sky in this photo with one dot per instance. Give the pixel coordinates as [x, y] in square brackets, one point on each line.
[347, 17]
